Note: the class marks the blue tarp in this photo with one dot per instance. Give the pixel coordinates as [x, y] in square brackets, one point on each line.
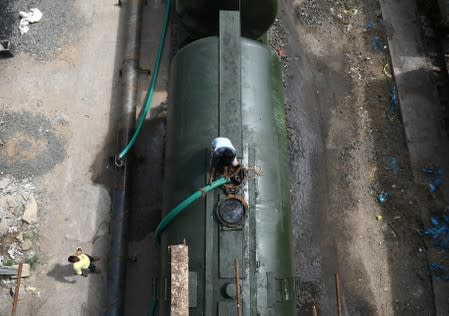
[439, 232]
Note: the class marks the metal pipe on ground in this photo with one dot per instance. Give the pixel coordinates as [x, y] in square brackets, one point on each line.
[314, 311]
[338, 294]
[17, 289]
[120, 198]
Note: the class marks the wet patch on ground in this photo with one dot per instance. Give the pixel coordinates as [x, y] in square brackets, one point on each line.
[30, 145]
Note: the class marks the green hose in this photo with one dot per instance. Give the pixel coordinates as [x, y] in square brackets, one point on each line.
[184, 204]
[150, 92]
[153, 306]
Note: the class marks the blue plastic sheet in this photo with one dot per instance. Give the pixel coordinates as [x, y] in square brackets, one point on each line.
[376, 45]
[368, 26]
[393, 166]
[383, 197]
[439, 232]
[437, 180]
[427, 170]
[394, 102]
[438, 272]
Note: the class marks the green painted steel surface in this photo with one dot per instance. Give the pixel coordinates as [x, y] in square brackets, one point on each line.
[230, 77]
[200, 17]
[444, 12]
[263, 244]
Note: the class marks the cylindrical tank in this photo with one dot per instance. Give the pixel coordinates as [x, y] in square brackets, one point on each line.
[263, 243]
[200, 17]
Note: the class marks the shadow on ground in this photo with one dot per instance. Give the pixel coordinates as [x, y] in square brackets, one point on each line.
[102, 170]
[145, 190]
[145, 214]
[62, 273]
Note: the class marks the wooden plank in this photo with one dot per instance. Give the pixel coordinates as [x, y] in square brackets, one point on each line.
[179, 281]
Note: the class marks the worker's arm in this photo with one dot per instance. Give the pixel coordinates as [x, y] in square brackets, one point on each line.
[78, 271]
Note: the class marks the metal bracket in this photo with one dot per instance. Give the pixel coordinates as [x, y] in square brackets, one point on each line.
[119, 162]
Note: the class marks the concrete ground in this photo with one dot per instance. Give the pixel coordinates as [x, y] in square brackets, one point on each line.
[343, 131]
[65, 71]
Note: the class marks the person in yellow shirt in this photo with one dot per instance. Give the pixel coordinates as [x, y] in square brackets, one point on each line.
[83, 262]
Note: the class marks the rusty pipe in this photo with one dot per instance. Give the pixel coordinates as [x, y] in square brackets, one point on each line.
[120, 196]
[338, 294]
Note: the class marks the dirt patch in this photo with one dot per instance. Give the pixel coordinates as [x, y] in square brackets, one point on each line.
[31, 146]
[21, 147]
[344, 132]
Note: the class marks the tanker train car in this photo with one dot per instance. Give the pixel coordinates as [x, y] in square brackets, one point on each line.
[227, 83]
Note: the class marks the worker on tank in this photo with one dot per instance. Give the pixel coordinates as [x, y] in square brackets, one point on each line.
[223, 156]
[83, 263]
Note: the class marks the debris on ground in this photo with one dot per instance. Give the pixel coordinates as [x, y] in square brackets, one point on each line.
[437, 180]
[439, 232]
[439, 273]
[33, 290]
[355, 73]
[394, 102]
[427, 170]
[27, 18]
[14, 252]
[30, 214]
[282, 53]
[278, 40]
[393, 164]
[18, 219]
[12, 270]
[387, 71]
[368, 26]
[383, 197]
[27, 245]
[351, 12]
[377, 45]
[393, 231]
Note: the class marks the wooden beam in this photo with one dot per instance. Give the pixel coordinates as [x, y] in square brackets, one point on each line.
[179, 268]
